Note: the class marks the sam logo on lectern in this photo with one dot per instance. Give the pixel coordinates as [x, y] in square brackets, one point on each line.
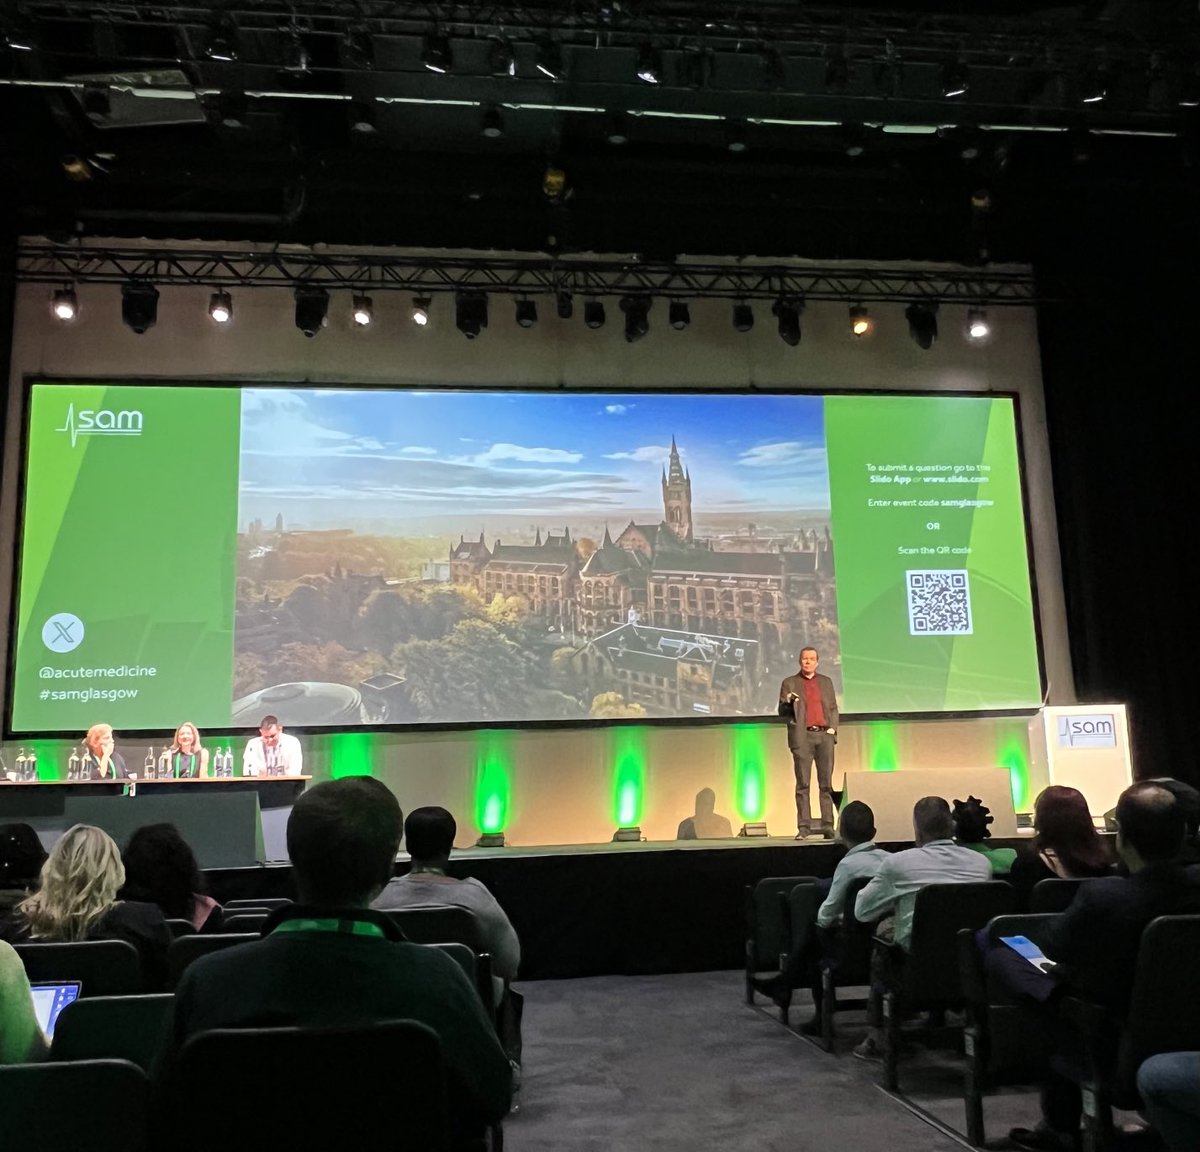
[1093, 730]
[100, 422]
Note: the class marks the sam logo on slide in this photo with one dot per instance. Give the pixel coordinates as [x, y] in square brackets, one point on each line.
[1088, 731]
[100, 422]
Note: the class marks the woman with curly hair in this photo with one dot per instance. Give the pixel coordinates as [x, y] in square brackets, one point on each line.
[77, 900]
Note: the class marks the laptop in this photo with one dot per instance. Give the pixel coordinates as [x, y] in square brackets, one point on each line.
[50, 999]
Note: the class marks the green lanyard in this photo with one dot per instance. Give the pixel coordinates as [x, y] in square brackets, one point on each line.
[350, 927]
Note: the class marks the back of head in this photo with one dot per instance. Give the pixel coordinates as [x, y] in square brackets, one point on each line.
[342, 838]
[1187, 797]
[1063, 824]
[971, 820]
[80, 880]
[429, 833]
[160, 868]
[21, 855]
[856, 824]
[1150, 823]
[932, 820]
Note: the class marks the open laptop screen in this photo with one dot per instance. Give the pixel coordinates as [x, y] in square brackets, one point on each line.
[50, 999]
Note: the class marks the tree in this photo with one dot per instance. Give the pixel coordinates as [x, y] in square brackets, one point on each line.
[614, 706]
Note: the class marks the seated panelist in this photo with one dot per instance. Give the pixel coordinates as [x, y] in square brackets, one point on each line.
[272, 752]
[189, 758]
[102, 761]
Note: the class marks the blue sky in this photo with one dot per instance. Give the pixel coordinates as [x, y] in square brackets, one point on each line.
[322, 455]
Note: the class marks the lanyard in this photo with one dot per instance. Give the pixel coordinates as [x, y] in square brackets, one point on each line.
[350, 927]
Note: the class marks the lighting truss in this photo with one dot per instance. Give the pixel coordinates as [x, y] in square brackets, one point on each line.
[42, 262]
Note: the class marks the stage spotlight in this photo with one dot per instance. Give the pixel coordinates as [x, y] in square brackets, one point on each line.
[139, 306]
[679, 316]
[861, 323]
[491, 124]
[220, 307]
[502, 60]
[637, 317]
[312, 304]
[593, 313]
[743, 317]
[471, 313]
[421, 306]
[630, 832]
[526, 313]
[490, 840]
[564, 305]
[787, 311]
[222, 40]
[64, 305]
[358, 47]
[955, 80]
[922, 322]
[362, 311]
[435, 53]
[548, 60]
[649, 67]
[978, 327]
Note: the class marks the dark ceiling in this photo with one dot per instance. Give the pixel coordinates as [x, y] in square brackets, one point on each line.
[773, 128]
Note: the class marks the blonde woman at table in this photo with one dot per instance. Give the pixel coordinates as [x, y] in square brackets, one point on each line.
[102, 761]
[189, 758]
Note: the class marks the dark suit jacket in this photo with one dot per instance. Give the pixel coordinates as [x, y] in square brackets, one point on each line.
[91, 768]
[795, 712]
[1095, 942]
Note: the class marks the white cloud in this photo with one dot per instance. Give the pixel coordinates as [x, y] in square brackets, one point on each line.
[649, 454]
[783, 453]
[528, 455]
[416, 450]
[617, 409]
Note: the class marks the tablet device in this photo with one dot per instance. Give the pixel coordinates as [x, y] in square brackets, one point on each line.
[50, 999]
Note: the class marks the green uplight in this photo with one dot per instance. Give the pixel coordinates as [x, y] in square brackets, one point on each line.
[749, 771]
[1014, 755]
[493, 781]
[882, 753]
[350, 754]
[629, 774]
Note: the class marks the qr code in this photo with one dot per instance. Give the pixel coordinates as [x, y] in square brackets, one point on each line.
[939, 602]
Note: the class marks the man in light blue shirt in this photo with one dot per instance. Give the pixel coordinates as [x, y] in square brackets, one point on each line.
[856, 826]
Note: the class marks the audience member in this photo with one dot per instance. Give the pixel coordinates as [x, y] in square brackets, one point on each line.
[856, 827]
[77, 901]
[21, 1040]
[971, 820]
[21, 860]
[891, 894]
[160, 868]
[1188, 799]
[332, 960]
[429, 836]
[1094, 947]
[1065, 843]
[1169, 1085]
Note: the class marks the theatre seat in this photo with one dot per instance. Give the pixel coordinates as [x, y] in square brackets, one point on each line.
[185, 949]
[103, 967]
[440, 924]
[240, 920]
[133, 1028]
[1053, 894]
[768, 930]
[845, 962]
[80, 1106]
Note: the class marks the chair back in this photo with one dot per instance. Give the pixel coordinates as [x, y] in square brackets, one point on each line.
[440, 924]
[268, 902]
[81, 1105]
[103, 967]
[931, 972]
[801, 917]
[1163, 1017]
[849, 952]
[241, 921]
[768, 935]
[1053, 894]
[185, 949]
[133, 1028]
[180, 927]
[475, 967]
[386, 1084]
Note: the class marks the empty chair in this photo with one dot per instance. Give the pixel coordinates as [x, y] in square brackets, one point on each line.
[390, 1077]
[133, 1028]
[80, 1105]
[239, 921]
[1053, 895]
[927, 976]
[188, 948]
[845, 962]
[1001, 1040]
[440, 924]
[768, 935]
[798, 963]
[103, 967]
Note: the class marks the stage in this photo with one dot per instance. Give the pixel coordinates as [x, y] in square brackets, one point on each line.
[633, 908]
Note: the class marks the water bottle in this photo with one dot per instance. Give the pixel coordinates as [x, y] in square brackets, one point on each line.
[148, 765]
[20, 762]
[228, 761]
[31, 764]
[73, 765]
[164, 765]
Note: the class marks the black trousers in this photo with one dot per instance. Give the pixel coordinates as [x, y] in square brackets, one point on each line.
[808, 748]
